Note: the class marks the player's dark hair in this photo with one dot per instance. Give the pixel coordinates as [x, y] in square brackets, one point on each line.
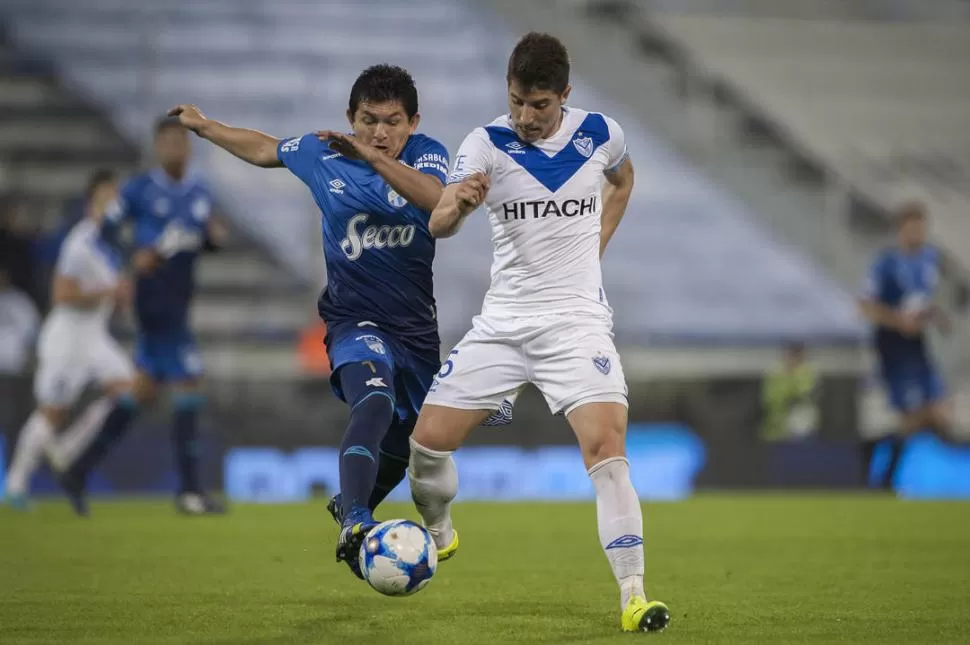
[910, 211]
[167, 123]
[97, 179]
[539, 62]
[383, 83]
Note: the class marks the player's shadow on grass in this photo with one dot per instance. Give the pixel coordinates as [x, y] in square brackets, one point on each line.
[401, 622]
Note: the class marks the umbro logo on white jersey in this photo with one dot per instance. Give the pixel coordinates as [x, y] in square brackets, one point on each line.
[337, 186]
[514, 148]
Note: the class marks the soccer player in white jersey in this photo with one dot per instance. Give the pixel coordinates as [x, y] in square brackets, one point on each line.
[75, 347]
[555, 182]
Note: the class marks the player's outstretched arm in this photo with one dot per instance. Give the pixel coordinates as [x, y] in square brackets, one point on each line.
[418, 188]
[457, 201]
[616, 196]
[253, 146]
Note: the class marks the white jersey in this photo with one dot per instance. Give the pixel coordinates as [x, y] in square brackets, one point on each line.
[544, 207]
[86, 258]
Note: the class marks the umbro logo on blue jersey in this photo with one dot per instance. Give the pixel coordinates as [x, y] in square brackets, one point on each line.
[514, 148]
[337, 186]
[329, 157]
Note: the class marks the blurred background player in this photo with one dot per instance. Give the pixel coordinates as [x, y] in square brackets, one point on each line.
[789, 397]
[898, 299]
[555, 182]
[376, 189]
[75, 347]
[170, 211]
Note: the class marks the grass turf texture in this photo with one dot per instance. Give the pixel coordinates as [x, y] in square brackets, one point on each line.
[733, 569]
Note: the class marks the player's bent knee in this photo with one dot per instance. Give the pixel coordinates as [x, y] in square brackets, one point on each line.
[605, 445]
[600, 428]
[445, 429]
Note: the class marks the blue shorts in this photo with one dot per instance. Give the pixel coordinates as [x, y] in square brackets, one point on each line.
[912, 384]
[169, 356]
[352, 342]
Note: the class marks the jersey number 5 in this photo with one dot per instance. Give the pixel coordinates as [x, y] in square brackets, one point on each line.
[449, 365]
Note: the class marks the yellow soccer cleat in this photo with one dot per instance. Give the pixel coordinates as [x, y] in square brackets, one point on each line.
[642, 615]
[450, 550]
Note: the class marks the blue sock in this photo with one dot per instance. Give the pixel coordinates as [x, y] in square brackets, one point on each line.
[185, 438]
[115, 426]
[390, 472]
[392, 465]
[370, 417]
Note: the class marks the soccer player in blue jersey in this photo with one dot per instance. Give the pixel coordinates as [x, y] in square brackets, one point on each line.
[376, 189]
[170, 210]
[898, 299]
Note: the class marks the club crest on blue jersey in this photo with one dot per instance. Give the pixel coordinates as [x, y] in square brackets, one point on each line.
[373, 343]
[602, 363]
[584, 145]
[394, 199]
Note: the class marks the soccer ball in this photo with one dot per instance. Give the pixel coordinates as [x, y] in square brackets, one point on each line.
[398, 557]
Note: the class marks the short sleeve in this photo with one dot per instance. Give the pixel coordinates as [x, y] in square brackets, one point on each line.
[431, 158]
[474, 155]
[300, 154]
[616, 148]
[71, 262]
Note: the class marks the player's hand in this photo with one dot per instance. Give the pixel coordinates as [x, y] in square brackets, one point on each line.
[910, 324]
[471, 192]
[190, 116]
[349, 146]
[146, 260]
[217, 233]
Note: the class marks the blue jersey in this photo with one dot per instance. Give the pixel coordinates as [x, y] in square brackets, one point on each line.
[378, 248]
[172, 218]
[907, 282]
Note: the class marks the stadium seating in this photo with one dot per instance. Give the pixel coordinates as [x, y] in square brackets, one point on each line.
[884, 104]
[688, 266]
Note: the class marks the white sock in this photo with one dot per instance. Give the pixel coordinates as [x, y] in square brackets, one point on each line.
[79, 434]
[620, 524]
[434, 483]
[35, 438]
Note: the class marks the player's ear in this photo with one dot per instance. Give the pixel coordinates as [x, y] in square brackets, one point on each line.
[413, 123]
[565, 94]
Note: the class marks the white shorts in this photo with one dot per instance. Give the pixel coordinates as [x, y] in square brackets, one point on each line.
[570, 359]
[65, 368]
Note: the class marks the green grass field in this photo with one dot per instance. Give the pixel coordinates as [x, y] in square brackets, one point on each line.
[734, 569]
